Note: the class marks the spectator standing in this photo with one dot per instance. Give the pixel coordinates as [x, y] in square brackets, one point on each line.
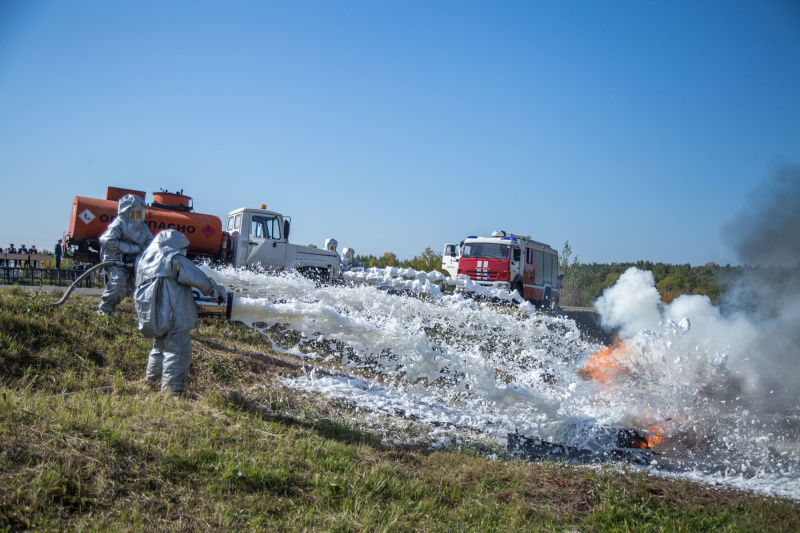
[11, 250]
[58, 254]
[24, 262]
[34, 251]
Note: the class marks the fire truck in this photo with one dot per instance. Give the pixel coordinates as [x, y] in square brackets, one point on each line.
[512, 262]
[252, 237]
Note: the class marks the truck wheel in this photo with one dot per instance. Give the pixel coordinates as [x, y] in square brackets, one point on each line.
[520, 289]
[546, 303]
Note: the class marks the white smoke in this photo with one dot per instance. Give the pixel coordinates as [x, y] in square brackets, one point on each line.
[732, 355]
[749, 347]
[631, 304]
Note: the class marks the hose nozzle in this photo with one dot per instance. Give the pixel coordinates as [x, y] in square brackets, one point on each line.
[216, 307]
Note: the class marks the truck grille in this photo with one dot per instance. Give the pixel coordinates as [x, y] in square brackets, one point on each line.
[482, 275]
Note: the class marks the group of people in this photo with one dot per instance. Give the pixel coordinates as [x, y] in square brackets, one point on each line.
[348, 259]
[160, 277]
[21, 250]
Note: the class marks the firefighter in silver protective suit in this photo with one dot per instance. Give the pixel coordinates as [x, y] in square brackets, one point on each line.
[123, 240]
[166, 309]
[349, 261]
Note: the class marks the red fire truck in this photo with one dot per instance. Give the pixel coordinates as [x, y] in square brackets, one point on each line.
[512, 262]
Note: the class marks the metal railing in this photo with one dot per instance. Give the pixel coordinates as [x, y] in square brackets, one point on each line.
[23, 275]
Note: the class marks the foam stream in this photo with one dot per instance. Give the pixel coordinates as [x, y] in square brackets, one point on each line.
[456, 363]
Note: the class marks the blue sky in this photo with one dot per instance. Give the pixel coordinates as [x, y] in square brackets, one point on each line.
[634, 130]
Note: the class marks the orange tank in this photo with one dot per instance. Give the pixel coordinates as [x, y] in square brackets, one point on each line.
[91, 216]
[172, 200]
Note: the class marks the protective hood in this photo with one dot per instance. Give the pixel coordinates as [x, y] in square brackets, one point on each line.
[348, 253]
[131, 207]
[331, 244]
[156, 260]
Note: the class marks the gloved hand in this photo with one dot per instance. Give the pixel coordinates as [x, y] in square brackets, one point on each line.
[219, 291]
[129, 248]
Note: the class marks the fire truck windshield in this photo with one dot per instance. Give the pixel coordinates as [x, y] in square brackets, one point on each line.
[486, 250]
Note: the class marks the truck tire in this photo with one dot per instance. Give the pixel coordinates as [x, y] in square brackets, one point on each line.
[521, 289]
[546, 303]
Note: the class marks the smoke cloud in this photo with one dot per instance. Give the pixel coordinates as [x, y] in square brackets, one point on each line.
[748, 348]
[766, 230]
[631, 304]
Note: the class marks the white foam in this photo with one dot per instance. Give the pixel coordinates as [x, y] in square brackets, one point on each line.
[447, 359]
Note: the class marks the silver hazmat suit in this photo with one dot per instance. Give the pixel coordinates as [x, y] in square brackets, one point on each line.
[349, 261]
[123, 240]
[165, 306]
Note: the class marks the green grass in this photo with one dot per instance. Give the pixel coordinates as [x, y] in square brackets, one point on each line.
[241, 452]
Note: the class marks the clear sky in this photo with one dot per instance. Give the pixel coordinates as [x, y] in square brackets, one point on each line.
[635, 130]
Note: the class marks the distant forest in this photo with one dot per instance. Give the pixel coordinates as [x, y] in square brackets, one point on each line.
[428, 261]
[583, 283]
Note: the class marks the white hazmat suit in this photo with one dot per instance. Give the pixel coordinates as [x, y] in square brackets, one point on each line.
[123, 241]
[349, 261]
[166, 309]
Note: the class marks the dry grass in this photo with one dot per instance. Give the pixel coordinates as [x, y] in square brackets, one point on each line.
[242, 452]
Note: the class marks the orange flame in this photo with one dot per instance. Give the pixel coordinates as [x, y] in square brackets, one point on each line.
[653, 436]
[607, 368]
[604, 366]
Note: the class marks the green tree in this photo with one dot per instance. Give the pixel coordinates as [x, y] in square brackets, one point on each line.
[428, 261]
[574, 282]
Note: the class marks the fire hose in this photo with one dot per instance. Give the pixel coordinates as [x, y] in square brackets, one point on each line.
[206, 305]
[85, 275]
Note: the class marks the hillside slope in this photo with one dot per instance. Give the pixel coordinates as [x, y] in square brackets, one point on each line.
[86, 445]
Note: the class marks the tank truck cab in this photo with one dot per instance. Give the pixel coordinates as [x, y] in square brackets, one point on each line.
[260, 238]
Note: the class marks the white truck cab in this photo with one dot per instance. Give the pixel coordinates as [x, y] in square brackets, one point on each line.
[260, 238]
[450, 257]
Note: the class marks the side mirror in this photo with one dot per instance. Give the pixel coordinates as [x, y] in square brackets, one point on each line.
[286, 229]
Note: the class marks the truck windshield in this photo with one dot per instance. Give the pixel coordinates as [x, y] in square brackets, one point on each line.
[486, 250]
[265, 227]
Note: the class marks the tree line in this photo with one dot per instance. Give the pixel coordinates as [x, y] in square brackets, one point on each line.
[583, 283]
[427, 261]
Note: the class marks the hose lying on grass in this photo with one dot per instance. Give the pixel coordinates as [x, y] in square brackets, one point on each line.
[85, 275]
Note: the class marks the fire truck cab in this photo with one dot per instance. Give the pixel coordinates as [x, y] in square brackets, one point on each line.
[512, 262]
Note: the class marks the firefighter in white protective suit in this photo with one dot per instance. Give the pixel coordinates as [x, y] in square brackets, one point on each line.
[166, 309]
[123, 241]
[349, 260]
[331, 244]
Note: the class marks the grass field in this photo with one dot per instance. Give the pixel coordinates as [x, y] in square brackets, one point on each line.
[86, 445]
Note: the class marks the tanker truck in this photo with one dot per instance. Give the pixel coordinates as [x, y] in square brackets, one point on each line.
[252, 237]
